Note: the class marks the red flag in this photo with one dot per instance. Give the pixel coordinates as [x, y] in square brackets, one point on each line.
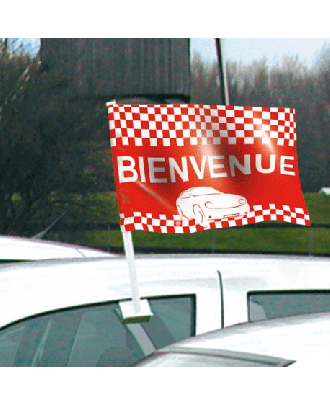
[183, 168]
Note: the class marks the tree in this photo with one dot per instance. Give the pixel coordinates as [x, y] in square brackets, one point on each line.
[47, 143]
[290, 85]
[205, 81]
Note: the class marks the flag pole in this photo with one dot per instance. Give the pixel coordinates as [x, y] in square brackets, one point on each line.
[222, 72]
[129, 252]
[135, 310]
[224, 94]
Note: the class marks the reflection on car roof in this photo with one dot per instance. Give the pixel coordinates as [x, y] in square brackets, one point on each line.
[288, 341]
[291, 337]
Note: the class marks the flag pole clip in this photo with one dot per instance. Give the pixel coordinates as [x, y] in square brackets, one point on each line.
[137, 309]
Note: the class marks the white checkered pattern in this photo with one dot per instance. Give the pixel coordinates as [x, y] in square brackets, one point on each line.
[294, 215]
[182, 125]
[179, 124]
[162, 224]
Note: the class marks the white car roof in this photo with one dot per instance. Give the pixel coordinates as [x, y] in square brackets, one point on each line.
[297, 338]
[34, 287]
[14, 248]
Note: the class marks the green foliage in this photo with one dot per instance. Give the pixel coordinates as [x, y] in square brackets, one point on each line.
[54, 150]
[318, 205]
[236, 239]
[240, 239]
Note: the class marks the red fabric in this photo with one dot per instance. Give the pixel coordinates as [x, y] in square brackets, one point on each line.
[160, 151]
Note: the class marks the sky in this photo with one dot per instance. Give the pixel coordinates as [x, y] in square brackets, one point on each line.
[246, 50]
[249, 49]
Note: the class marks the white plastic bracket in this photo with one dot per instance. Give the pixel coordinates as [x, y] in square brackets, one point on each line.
[134, 310]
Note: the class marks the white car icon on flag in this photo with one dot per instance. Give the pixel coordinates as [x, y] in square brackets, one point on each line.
[205, 204]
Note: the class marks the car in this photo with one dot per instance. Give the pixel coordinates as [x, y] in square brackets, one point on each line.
[68, 312]
[16, 248]
[205, 204]
[283, 342]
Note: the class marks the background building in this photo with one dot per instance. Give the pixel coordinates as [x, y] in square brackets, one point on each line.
[106, 68]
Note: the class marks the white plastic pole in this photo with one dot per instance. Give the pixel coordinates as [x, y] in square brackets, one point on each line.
[136, 309]
[129, 251]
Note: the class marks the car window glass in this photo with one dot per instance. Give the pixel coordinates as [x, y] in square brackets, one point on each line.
[268, 305]
[95, 335]
[173, 320]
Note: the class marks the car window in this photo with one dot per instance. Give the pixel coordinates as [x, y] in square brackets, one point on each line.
[95, 335]
[271, 304]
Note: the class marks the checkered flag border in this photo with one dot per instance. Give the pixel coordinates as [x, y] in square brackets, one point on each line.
[163, 224]
[179, 124]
